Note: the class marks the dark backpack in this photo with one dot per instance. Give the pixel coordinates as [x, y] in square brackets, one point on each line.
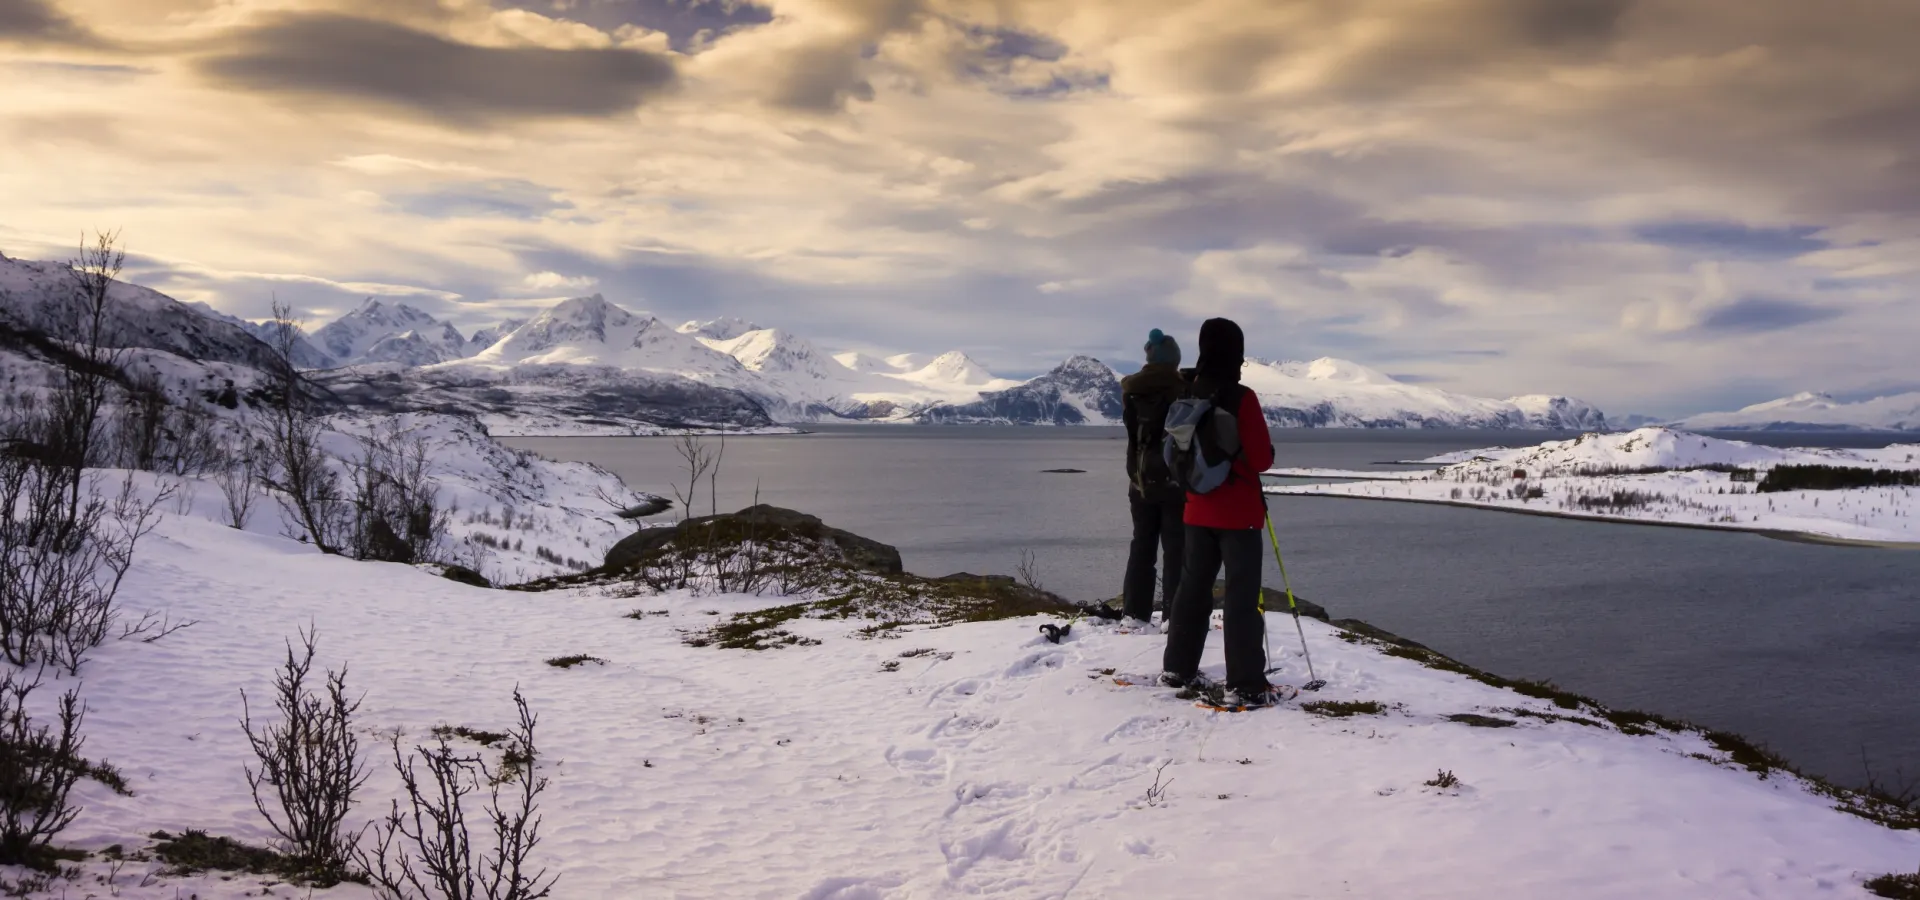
[1203, 440]
[1151, 476]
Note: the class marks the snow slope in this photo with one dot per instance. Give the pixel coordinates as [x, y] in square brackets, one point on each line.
[1815, 412]
[970, 761]
[1579, 477]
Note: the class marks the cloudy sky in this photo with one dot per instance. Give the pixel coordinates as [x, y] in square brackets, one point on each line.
[1659, 205]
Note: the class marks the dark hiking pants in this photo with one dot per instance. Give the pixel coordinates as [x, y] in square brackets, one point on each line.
[1156, 528]
[1208, 551]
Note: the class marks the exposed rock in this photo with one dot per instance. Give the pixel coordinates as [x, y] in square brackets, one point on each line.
[1380, 634]
[649, 505]
[464, 575]
[1479, 721]
[860, 552]
[1011, 597]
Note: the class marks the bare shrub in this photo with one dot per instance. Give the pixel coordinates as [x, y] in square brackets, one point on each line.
[697, 460]
[425, 851]
[396, 515]
[310, 763]
[238, 478]
[64, 550]
[38, 769]
[307, 488]
[1027, 570]
[152, 433]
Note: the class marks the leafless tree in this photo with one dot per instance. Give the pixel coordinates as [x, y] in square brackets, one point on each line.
[310, 763]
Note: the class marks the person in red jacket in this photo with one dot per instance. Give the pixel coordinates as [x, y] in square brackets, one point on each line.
[1223, 531]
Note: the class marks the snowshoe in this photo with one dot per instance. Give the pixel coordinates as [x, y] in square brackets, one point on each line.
[1237, 700]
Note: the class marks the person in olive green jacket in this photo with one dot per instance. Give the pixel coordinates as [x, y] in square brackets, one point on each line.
[1157, 502]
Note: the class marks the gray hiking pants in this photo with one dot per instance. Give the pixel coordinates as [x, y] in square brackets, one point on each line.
[1208, 551]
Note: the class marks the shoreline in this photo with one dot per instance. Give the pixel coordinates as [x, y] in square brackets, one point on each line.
[1778, 534]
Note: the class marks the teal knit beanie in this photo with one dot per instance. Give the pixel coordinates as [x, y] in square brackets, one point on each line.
[1162, 348]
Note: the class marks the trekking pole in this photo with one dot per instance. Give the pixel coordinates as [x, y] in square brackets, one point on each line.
[1315, 682]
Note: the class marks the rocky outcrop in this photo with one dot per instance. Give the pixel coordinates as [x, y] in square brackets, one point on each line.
[767, 523]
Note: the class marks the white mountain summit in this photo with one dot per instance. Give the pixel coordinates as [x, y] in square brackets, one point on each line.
[1809, 411]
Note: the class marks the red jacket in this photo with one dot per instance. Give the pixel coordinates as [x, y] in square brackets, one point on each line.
[1239, 503]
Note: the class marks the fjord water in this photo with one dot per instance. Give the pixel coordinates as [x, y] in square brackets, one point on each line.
[1813, 650]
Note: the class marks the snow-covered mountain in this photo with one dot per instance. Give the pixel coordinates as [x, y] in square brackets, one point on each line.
[623, 371]
[785, 374]
[1560, 413]
[490, 335]
[1080, 391]
[1815, 412]
[1335, 393]
[725, 328]
[1659, 447]
[379, 332]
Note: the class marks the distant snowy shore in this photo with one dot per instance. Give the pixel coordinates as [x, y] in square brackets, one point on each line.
[1653, 476]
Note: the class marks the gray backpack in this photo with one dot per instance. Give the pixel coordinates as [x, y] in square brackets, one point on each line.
[1203, 440]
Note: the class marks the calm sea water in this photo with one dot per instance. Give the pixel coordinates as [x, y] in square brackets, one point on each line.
[1811, 649]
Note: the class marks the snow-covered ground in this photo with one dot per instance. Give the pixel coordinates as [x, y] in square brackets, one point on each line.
[1560, 474]
[972, 760]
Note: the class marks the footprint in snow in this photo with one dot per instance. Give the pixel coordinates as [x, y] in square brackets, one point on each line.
[1145, 728]
[924, 764]
[960, 729]
[1035, 664]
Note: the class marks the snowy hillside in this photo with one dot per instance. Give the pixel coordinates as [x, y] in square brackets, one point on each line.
[1650, 475]
[975, 760]
[1335, 393]
[31, 293]
[1815, 412]
[305, 354]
